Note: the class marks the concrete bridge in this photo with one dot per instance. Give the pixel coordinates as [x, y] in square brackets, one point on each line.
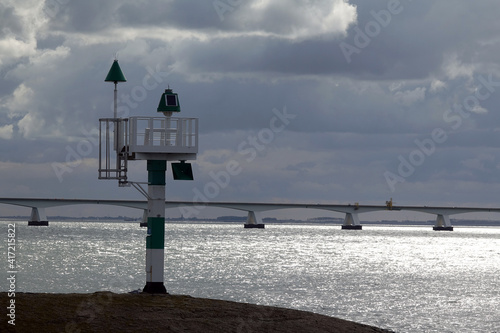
[254, 210]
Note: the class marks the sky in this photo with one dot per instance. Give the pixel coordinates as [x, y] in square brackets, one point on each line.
[317, 101]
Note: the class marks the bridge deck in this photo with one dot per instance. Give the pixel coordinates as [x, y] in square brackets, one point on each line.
[245, 206]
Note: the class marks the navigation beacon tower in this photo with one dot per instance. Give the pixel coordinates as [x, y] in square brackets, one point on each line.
[156, 140]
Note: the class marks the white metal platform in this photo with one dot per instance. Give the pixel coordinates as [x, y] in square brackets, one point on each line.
[144, 138]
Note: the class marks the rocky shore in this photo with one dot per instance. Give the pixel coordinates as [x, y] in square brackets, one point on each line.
[110, 312]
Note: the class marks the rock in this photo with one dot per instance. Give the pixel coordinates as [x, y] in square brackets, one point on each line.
[139, 312]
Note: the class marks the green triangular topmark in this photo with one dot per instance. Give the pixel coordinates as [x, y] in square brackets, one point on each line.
[115, 73]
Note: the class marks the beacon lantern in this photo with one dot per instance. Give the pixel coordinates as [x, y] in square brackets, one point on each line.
[169, 103]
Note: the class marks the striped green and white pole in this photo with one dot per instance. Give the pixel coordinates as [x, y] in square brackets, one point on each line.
[155, 239]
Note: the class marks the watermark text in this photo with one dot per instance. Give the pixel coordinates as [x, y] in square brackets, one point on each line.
[11, 272]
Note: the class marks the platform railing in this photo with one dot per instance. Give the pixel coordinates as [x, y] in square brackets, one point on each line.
[125, 139]
[163, 135]
[113, 148]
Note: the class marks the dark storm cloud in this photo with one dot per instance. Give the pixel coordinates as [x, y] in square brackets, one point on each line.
[93, 16]
[410, 46]
[81, 16]
[7, 85]
[178, 14]
[10, 22]
[413, 43]
[250, 54]
[232, 69]
[50, 41]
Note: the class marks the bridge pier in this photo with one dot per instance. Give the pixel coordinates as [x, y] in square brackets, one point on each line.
[144, 222]
[38, 217]
[254, 221]
[443, 223]
[351, 222]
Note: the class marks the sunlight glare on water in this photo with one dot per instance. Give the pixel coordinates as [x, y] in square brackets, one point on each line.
[408, 279]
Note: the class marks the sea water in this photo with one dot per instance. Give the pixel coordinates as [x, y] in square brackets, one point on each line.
[403, 278]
